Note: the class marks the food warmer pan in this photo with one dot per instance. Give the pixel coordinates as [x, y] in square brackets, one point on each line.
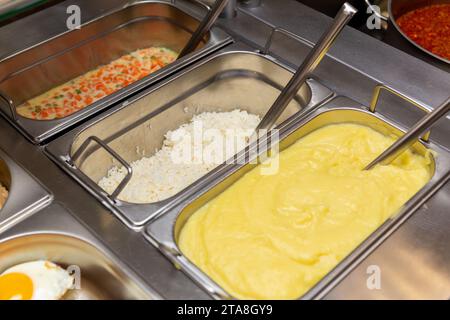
[228, 80]
[53, 234]
[25, 194]
[36, 70]
[164, 231]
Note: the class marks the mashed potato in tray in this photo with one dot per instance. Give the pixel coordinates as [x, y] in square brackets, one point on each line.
[3, 196]
[187, 154]
[276, 236]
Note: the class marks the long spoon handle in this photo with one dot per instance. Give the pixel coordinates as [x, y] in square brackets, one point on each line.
[313, 59]
[204, 27]
[411, 136]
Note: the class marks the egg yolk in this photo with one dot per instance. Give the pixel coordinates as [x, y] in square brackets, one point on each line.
[16, 286]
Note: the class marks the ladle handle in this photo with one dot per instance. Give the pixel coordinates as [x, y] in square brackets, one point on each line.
[313, 59]
[204, 27]
[411, 136]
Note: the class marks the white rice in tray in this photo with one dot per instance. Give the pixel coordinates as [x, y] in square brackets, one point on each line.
[184, 157]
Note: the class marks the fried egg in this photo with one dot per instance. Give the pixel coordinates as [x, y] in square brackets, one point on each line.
[37, 280]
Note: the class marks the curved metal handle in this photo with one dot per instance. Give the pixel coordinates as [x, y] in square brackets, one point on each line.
[10, 103]
[285, 32]
[114, 154]
[375, 11]
[376, 98]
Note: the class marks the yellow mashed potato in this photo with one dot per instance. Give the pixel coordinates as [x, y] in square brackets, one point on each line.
[276, 236]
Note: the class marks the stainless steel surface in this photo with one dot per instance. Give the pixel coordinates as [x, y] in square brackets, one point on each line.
[307, 67]
[203, 28]
[397, 8]
[230, 79]
[229, 11]
[250, 3]
[410, 137]
[10, 104]
[164, 231]
[26, 195]
[54, 235]
[28, 73]
[414, 260]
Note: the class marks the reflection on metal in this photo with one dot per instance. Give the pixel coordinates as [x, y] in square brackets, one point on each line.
[11, 106]
[250, 3]
[285, 32]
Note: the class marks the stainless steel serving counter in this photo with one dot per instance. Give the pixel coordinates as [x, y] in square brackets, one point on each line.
[414, 261]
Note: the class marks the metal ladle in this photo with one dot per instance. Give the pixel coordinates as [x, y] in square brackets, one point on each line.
[411, 136]
[313, 59]
[204, 27]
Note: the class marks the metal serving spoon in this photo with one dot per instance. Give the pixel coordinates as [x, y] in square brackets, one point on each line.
[204, 27]
[411, 136]
[313, 59]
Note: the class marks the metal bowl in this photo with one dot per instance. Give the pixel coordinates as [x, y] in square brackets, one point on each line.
[396, 8]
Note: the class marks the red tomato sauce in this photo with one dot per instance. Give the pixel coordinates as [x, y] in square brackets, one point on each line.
[429, 27]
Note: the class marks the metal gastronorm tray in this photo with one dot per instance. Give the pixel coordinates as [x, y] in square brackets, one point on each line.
[163, 232]
[26, 195]
[230, 79]
[36, 70]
